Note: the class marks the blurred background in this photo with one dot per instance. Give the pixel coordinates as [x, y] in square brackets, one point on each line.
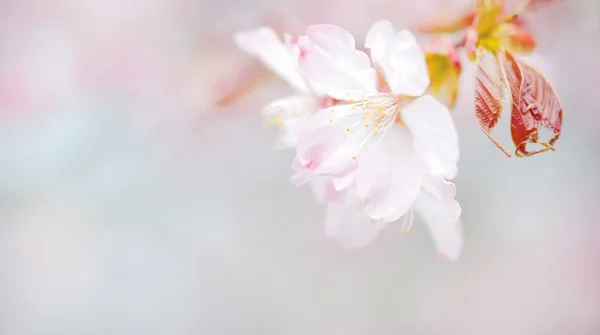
[131, 203]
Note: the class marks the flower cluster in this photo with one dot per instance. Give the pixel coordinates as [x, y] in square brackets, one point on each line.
[372, 133]
[373, 145]
[492, 36]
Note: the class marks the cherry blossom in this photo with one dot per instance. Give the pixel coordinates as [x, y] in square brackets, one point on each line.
[281, 57]
[388, 146]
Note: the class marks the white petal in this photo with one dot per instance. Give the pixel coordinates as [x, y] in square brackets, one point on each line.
[351, 227]
[389, 176]
[324, 191]
[327, 148]
[399, 57]
[333, 65]
[264, 44]
[434, 135]
[289, 114]
[441, 213]
[301, 178]
[341, 182]
[302, 175]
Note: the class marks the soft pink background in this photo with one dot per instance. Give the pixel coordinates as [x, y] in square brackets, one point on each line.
[130, 204]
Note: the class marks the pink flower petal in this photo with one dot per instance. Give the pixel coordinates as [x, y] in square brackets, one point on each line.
[434, 135]
[324, 191]
[333, 65]
[282, 59]
[441, 213]
[399, 57]
[389, 176]
[351, 227]
[290, 115]
[326, 148]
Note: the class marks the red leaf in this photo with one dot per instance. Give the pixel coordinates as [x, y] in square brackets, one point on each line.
[489, 94]
[546, 102]
[534, 104]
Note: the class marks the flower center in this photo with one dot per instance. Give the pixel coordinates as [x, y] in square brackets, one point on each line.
[379, 114]
[380, 111]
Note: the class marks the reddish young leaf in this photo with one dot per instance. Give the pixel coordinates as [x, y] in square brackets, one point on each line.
[523, 126]
[534, 104]
[546, 102]
[489, 94]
